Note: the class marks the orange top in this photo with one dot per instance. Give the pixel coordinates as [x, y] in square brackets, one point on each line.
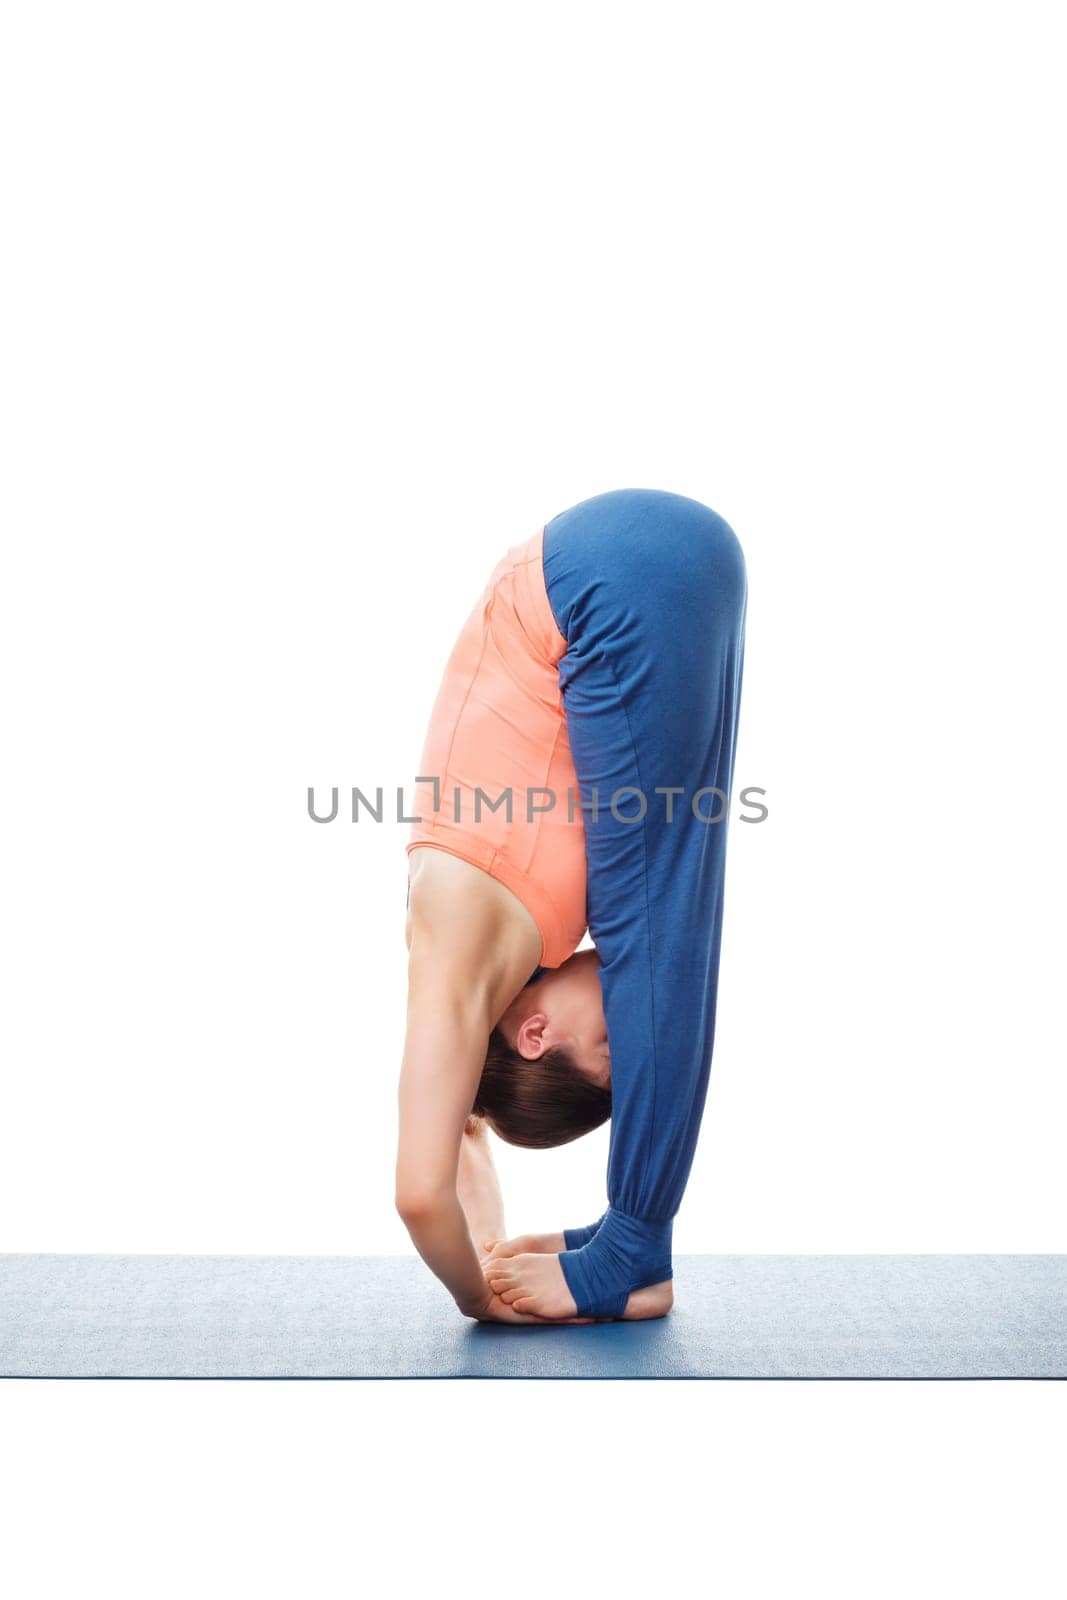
[498, 727]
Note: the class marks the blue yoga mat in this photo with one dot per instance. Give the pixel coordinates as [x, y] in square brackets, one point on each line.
[769, 1316]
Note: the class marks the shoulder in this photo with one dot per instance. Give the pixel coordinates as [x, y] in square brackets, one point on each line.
[451, 899]
[467, 933]
[445, 894]
[451, 928]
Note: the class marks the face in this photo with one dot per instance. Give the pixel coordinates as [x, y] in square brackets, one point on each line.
[564, 1010]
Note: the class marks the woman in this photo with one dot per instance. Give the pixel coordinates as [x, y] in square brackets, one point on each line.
[578, 766]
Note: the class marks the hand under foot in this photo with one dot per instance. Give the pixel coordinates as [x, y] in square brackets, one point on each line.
[531, 1283]
[534, 1284]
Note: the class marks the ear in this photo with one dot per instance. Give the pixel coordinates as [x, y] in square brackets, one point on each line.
[531, 1036]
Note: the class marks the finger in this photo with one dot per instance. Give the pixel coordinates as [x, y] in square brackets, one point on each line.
[499, 1312]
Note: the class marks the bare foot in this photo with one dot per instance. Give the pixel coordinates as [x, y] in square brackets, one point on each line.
[654, 1301]
[494, 1310]
[533, 1283]
[525, 1244]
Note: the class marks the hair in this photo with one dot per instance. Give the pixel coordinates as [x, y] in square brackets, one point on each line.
[537, 1104]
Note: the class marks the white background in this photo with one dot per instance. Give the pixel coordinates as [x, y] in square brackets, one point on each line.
[309, 312]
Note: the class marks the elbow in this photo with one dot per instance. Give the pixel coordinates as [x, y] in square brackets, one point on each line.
[416, 1204]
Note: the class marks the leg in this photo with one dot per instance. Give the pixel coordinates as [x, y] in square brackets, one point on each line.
[649, 591]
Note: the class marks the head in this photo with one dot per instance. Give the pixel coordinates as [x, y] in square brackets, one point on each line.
[547, 1074]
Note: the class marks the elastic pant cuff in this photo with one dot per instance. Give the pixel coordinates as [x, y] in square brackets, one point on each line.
[623, 1254]
[574, 1238]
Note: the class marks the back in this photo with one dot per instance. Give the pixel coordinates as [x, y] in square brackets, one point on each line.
[496, 765]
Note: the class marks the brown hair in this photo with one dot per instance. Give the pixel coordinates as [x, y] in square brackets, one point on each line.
[540, 1103]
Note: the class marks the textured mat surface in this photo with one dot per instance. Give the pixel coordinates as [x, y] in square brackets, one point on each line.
[927, 1316]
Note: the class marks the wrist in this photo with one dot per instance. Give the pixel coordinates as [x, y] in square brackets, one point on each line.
[474, 1308]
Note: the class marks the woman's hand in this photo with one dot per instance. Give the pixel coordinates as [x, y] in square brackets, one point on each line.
[493, 1309]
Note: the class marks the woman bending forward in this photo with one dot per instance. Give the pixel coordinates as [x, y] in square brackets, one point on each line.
[577, 772]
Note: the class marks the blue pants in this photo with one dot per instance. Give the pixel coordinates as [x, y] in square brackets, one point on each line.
[649, 591]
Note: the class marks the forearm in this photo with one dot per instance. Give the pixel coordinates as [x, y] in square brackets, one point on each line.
[440, 1234]
[478, 1188]
[444, 1051]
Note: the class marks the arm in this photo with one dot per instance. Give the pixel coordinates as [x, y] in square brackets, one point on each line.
[444, 1052]
[483, 1204]
[478, 1186]
[466, 959]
